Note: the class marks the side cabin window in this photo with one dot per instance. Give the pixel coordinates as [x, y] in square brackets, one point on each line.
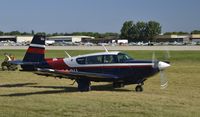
[81, 60]
[90, 60]
[99, 59]
[110, 59]
[123, 57]
[94, 59]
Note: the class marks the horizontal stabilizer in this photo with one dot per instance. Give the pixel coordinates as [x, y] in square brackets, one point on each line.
[20, 62]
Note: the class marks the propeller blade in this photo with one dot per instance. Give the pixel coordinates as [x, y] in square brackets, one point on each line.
[163, 80]
[167, 55]
[153, 56]
[153, 60]
[162, 65]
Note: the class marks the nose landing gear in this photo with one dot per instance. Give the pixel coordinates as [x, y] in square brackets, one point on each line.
[139, 88]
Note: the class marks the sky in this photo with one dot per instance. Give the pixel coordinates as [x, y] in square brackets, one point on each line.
[96, 15]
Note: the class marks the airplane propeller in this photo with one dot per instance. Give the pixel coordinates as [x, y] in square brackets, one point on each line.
[163, 78]
[167, 54]
[161, 65]
[154, 61]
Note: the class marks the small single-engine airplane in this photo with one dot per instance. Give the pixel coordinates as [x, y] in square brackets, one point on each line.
[115, 67]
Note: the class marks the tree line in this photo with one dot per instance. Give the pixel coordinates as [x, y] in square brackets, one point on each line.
[182, 33]
[138, 31]
[107, 35]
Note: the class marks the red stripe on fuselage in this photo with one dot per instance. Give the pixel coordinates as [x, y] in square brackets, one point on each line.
[57, 63]
[112, 67]
[36, 50]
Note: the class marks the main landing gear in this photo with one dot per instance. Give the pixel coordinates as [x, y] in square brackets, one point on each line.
[83, 85]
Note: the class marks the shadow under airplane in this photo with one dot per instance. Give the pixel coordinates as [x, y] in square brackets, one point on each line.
[16, 85]
[55, 89]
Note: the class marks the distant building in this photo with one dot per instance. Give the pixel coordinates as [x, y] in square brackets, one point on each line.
[70, 38]
[16, 38]
[102, 40]
[195, 38]
[50, 39]
[24, 38]
[8, 38]
[173, 38]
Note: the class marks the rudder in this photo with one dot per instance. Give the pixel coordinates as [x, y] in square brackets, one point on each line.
[35, 52]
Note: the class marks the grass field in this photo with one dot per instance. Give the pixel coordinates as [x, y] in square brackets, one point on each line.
[24, 94]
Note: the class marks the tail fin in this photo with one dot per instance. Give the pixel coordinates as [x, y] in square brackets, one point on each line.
[35, 52]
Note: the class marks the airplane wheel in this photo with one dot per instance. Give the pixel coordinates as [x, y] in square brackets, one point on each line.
[12, 67]
[138, 88]
[3, 68]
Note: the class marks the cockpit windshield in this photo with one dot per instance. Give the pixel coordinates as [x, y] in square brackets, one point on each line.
[123, 57]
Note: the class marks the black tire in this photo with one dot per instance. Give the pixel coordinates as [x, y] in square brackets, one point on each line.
[12, 67]
[138, 88]
[3, 66]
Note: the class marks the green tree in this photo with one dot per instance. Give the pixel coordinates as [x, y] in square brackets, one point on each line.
[127, 30]
[110, 35]
[14, 33]
[41, 33]
[25, 33]
[1, 33]
[133, 33]
[176, 33]
[195, 32]
[32, 32]
[141, 30]
[153, 28]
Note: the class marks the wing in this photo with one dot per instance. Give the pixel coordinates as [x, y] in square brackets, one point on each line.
[98, 77]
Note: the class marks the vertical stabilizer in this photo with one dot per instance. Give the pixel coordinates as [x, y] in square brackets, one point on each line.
[35, 52]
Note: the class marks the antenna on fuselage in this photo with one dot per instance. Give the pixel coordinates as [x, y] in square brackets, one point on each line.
[105, 48]
[67, 54]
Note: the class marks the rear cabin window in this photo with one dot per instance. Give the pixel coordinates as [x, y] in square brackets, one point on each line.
[90, 60]
[94, 60]
[110, 59]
